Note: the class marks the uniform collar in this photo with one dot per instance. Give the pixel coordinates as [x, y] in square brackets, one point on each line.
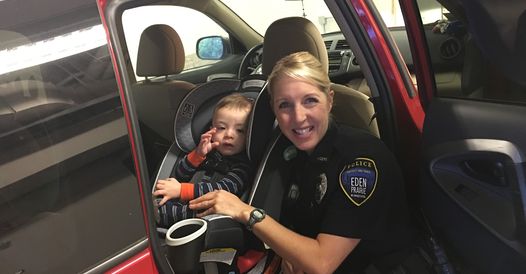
[324, 149]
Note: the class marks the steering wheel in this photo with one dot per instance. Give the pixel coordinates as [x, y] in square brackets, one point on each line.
[251, 63]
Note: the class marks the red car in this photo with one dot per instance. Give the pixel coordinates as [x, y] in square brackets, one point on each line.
[98, 99]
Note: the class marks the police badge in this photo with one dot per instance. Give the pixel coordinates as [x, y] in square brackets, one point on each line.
[358, 180]
[290, 153]
[321, 188]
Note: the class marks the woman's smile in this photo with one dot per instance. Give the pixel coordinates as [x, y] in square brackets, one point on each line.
[303, 131]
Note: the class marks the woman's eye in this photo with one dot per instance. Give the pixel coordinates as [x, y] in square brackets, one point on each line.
[311, 101]
[283, 105]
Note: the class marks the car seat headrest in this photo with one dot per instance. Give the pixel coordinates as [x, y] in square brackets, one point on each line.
[194, 114]
[160, 52]
[289, 35]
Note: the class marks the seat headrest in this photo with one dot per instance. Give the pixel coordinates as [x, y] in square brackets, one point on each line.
[160, 52]
[289, 35]
[194, 114]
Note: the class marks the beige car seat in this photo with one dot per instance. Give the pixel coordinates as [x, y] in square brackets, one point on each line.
[160, 53]
[351, 107]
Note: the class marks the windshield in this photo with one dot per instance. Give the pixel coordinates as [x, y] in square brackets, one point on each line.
[318, 13]
[251, 11]
[314, 10]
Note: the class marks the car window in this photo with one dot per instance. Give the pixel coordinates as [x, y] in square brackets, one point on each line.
[179, 18]
[69, 197]
[461, 66]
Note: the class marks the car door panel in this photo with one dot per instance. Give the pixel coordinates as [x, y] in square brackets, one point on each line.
[473, 187]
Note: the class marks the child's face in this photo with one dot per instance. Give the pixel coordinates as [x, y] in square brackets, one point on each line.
[231, 125]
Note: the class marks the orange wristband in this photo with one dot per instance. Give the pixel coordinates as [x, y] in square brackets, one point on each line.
[187, 191]
[195, 159]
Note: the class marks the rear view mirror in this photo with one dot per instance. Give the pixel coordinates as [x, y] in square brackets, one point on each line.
[212, 48]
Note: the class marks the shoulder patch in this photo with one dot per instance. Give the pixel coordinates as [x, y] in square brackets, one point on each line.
[358, 180]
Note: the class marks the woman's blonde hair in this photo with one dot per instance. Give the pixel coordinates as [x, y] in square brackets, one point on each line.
[301, 66]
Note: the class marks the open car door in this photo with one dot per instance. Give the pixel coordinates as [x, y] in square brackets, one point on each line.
[472, 186]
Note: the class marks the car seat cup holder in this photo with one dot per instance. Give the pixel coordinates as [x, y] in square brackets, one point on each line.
[185, 242]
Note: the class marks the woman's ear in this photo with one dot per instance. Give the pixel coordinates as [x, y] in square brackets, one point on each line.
[331, 98]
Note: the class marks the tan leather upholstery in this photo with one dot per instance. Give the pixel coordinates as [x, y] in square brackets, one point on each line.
[301, 34]
[361, 115]
[289, 35]
[161, 53]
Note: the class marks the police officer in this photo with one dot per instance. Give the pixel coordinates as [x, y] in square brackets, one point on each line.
[350, 186]
[346, 207]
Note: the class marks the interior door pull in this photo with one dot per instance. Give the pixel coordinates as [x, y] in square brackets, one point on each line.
[486, 170]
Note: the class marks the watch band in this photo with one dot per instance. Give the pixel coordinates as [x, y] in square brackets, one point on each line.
[257, 215]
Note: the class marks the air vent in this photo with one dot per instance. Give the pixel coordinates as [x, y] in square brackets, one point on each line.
[342, 45]
[335, 61]
[328, 44]
[354, 61]
[450, 48]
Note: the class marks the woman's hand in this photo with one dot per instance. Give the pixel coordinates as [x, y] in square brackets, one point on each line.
[222, 202]
[206, 144]
[169, 189]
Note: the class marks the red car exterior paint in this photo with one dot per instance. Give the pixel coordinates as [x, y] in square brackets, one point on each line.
[409, 112]
[140, 263]
[405, 105]
[143, 262]
[425, 80]
[131, 130]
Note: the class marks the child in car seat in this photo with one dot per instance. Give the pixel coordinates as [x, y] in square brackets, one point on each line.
[218, 162]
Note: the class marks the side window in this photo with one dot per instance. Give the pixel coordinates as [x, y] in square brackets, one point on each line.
[68, 193]
[462, 69]
[179, 18]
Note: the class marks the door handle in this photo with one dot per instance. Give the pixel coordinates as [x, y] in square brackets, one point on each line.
[486, 170]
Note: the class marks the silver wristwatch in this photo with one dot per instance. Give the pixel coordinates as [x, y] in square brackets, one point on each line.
[257, 215]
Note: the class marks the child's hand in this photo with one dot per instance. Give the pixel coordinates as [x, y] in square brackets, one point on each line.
[206, 144]
[169, 189]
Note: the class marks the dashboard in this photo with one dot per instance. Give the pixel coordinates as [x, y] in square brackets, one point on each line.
[446, 52]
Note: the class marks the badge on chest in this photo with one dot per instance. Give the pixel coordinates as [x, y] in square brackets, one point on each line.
[358, 180]
[320, 188]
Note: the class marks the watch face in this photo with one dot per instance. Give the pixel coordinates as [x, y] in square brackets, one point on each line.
[256, 216]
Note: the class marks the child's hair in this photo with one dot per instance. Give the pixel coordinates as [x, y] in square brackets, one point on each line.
[235, 101]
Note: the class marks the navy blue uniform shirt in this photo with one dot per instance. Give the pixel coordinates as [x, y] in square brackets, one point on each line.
[350, 186]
